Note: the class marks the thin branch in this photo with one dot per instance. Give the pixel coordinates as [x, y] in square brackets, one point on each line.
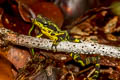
[65, 46]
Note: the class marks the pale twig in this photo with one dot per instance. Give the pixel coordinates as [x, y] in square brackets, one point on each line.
[91, 73]
[64, 46]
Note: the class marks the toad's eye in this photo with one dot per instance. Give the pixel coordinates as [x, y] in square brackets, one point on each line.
[45, 23]
[40, 20]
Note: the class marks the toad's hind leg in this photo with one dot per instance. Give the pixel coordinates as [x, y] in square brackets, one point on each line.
[88, 61]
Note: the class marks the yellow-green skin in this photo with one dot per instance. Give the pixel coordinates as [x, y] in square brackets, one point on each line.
[54, 33]
[50, 30]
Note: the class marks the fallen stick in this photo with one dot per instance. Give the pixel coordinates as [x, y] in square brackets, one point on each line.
[64, 46]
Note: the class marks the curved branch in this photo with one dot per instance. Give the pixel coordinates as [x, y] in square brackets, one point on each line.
[65, 46]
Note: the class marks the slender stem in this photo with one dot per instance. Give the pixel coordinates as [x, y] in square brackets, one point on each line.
[65, 46]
